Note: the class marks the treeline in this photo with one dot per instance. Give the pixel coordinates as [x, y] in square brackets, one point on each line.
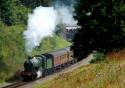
[15, 11]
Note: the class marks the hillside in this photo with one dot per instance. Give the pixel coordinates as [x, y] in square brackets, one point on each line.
[106, 74]
[12, 49]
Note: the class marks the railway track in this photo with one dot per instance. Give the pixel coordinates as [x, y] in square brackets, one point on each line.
[16, 85]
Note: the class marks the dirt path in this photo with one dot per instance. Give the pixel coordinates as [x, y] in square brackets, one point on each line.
[68, 69]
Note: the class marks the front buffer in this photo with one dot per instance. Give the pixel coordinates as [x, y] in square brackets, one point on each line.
[28, 76]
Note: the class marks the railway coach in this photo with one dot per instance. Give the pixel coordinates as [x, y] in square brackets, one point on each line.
[48, 63]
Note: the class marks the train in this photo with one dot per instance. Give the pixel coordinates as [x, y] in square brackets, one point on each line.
[47, 63]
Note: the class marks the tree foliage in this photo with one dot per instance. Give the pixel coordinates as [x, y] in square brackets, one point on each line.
[13, 12]
[35, 3]
[102, 26]
[16, 11]
[6, 11]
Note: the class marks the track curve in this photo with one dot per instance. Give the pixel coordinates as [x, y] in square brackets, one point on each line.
[49, 77]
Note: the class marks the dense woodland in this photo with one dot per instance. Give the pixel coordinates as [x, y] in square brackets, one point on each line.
[102, 26]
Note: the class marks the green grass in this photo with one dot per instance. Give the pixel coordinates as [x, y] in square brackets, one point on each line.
[51, 44]
[106, 74]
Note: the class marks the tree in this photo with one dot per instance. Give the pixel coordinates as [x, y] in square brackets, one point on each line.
[13, 12]
[35, 3]
[6, 11]
[102, 26]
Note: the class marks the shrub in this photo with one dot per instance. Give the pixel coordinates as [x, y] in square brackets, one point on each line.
[97, 56]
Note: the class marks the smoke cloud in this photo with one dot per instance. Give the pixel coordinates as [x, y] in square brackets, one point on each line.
[42, 23]
[65, 15]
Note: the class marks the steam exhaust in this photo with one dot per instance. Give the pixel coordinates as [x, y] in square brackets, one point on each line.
[42, 23]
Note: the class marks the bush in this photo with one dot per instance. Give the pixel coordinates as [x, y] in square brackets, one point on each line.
[97, 56]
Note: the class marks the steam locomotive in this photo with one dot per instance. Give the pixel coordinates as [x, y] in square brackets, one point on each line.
[48, 63]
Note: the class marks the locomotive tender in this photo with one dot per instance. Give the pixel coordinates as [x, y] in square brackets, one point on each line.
[48, 63]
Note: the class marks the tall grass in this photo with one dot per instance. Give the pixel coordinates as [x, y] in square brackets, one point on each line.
[109, 73]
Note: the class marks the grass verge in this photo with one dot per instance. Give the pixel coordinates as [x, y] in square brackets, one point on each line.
[106, 74]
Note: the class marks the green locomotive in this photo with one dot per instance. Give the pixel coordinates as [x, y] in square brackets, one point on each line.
[42, 65]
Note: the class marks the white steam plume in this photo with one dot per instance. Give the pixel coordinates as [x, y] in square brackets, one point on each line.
[42, 23]
[65, 15]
